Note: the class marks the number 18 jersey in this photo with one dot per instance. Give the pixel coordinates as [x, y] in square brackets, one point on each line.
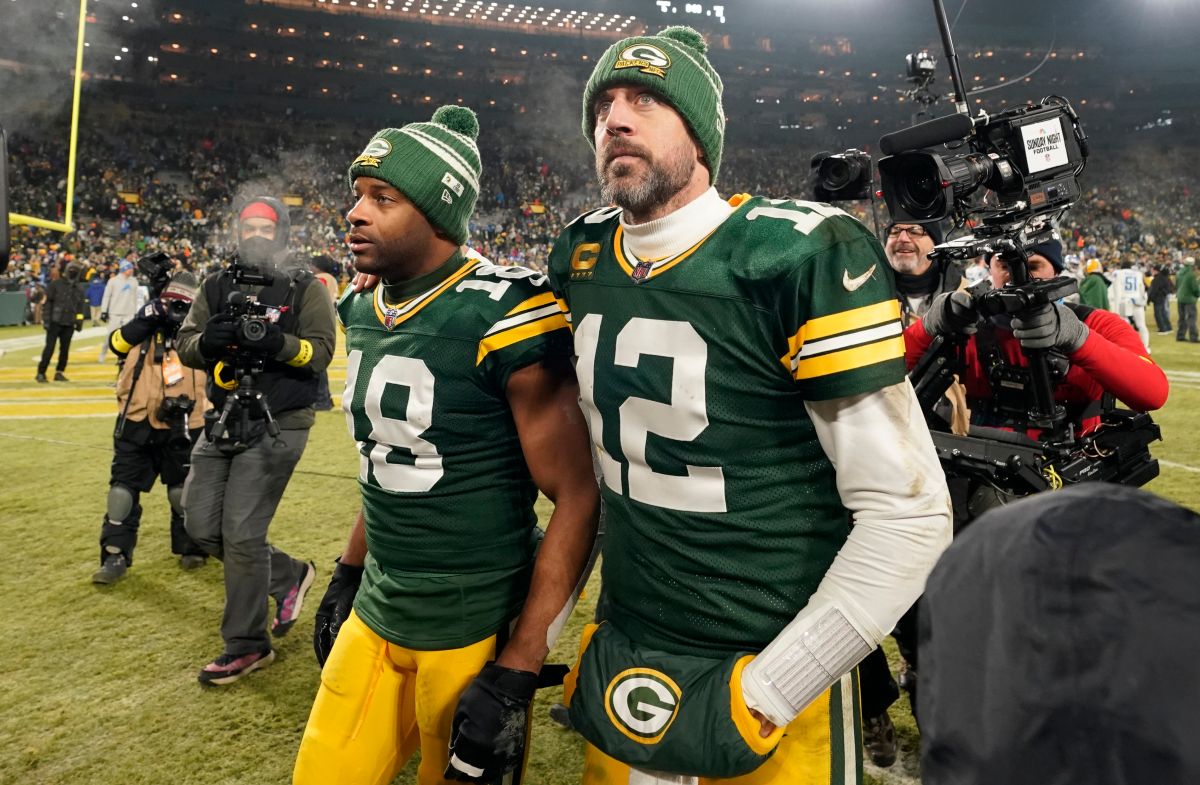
[446, 494]
[723, 509]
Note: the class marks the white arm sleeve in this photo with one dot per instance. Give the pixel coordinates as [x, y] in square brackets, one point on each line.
[889, 477]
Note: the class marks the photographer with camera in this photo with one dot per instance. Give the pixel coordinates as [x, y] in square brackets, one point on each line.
[1095, 352]
[264, 330]
[162, 411]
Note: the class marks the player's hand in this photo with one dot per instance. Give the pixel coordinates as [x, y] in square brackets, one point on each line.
[1051, 326]
[220, 333]
[766, 727]
[270, 344]
[335, 608]
[104, 317]
[364, 282]
[950, 313]
[487, 739]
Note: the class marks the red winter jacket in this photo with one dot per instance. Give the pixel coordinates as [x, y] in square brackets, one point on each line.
[1112, 359]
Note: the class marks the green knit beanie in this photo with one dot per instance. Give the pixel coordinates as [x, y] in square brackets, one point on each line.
[434, 164]
[672, 64]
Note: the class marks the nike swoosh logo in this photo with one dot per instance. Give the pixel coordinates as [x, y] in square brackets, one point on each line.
[852, 284]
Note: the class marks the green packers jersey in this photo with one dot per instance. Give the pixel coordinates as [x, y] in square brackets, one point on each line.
[723, 510]
[446, 495]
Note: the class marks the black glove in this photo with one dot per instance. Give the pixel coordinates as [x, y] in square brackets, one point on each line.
[951, 312]
[104, 316]
[149, 318]
[269, 345]
[487, 739]
[220, 332]
[1052, 326]
[335, 607]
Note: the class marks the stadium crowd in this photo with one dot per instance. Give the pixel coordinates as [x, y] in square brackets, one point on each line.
[145, 185]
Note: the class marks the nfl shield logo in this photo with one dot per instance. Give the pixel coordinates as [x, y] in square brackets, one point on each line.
[389, 317]
[641, 272]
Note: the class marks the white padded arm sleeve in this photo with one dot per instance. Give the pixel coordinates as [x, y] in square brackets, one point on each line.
[889, 477]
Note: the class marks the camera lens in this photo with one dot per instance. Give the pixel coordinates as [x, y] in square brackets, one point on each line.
[254, 330]
[921, 188]
[835, 173]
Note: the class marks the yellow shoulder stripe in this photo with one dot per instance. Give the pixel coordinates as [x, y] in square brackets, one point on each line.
[845, 321]
[537, 301]
[519, 333]
[849, 359]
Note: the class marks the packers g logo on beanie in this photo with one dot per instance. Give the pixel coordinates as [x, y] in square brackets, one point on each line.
[642, 703]
[674, 65]
[435, 165]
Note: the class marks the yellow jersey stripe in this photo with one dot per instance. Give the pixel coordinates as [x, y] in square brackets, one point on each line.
[844, 321]
[491, 343]
[412, 307]
[538, 300]
[620, 254]
[849, 359]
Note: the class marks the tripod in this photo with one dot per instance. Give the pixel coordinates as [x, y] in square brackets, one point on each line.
[244, 400]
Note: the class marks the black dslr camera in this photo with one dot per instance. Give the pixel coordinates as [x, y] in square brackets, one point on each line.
[841, 176]
[155, 269]
[175, 411]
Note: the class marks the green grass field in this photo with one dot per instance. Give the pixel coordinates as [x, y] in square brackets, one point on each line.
[100, 683]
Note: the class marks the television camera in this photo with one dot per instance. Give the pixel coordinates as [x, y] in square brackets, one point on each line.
[1010, 177]
[246, 406]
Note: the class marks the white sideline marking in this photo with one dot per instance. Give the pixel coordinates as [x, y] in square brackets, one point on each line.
[1173, 465]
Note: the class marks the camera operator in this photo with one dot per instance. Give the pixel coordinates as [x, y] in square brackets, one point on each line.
[1102, 352]
[263, 378]
[918, 278]
[162, 411]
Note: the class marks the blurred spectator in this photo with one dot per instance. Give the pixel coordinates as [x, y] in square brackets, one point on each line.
[1161, 289]
[1186, 290]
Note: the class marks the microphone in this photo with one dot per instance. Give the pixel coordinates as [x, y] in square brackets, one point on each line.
[937, 131]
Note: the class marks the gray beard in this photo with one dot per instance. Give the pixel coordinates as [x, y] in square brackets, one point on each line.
[656, 187]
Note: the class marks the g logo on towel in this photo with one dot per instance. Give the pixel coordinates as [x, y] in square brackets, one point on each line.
[642, 703]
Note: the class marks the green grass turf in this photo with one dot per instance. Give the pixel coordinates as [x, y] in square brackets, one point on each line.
[100, 683]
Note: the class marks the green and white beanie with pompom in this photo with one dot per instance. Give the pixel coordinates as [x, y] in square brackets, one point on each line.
[435, 164]
[674, 65]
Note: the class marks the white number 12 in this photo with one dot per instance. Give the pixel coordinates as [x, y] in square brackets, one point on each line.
[683, 418]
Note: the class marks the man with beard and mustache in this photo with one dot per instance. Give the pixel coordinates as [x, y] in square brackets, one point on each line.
[237, 480]
[774, 502]
[918, 278]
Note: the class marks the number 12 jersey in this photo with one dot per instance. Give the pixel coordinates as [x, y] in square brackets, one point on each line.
[723, 509]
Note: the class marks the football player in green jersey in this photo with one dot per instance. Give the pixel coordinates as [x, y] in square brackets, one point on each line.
[461, 397]
[774, 502]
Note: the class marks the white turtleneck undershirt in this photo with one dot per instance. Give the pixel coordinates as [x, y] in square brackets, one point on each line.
[673, 234]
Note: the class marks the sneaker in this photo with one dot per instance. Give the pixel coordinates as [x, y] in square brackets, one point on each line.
[41, 377]
[228, 668]
[287, 610]
[112, 570]
[561, 715]
[192, 561]
[58, 377]
[879, 740]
